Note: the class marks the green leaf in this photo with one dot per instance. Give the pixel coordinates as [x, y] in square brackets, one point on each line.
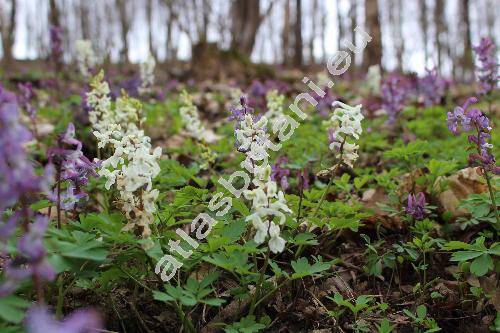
[302, 268]
[13, 308]
[481, 265]
[421, 311]
[465, 255]
[161, 296]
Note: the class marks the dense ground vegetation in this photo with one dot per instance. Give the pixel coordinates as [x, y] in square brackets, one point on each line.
[374, 210]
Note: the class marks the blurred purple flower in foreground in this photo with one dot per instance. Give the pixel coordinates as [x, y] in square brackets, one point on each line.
[416, 205]
[470, 120]
[32, 261]
[17, 175]
[487, 70]
[40, 320]
[279, 173]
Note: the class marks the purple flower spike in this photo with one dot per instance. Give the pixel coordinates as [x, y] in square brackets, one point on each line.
[432, 88]
[40, 320]
[395, 91]
[26, 98]
[17, 175]
[416, 205]
[279, 173]
[474, 120]
[487, 69]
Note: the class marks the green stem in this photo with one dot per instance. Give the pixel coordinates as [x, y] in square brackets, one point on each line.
[259, 283]
[184, 319]
[60, 297]
[323, 196]
[492, 197]
[270, 293]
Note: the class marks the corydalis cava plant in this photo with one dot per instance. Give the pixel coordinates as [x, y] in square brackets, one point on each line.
[190, 117]
[146, 70]
[345, 127]
[134, 163]
[275, 102]
[85, 56]
[487, 69]
[473, 120]
[268, 202]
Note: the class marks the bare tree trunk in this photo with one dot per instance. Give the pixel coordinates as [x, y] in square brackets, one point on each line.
[313, 31]
[340, 26]
[352, 18]
[397, 33]
[439, 31]
[125, 26]
[246, 20]
[84, 19]
[149, 14]
[466, 61]
[298, 54]
[373, 52]
[323, 32]
[286, 34]
[424, 27]
[7, 32]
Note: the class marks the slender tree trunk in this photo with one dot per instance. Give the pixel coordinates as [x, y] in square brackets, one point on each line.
[7, 31]
[397, 33]
[439, 31]
[246, 19]
[84, 19]
[352, 20]
[124, 25]
[373, 52]
[298, 54]
[286, 34]
[340, 26]
[313, 31]
[467, 62]
[149, 14]
[323, 32]
[424, 27]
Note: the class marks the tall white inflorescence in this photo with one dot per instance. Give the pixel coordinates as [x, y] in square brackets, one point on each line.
[85, 56]
[147, 74]
[275, 102]
[190, 117]
[267, 202]
[133, 163]
[346, 125]
[374, 79]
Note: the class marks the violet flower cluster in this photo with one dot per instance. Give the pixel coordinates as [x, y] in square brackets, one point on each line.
[56, 49]
[18, 185]
[416, 205]
[73, 167]
[465, 120]
[394, 94]
[487, 70]
[280, 173]
[40, 320]
[432, 88]
[32, 261]
[26, 97]
[17, 174]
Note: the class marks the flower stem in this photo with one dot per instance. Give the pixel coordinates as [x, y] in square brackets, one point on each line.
[259, 283]
[492, 197]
